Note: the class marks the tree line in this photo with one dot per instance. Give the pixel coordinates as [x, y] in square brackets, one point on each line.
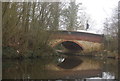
[25, 25]
[111, 32]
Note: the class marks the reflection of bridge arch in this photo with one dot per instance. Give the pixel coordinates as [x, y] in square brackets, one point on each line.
[72, 45]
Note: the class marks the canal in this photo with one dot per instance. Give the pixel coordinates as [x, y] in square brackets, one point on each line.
[61, 67]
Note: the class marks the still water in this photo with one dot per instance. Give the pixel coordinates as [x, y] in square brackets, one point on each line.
[67, 67]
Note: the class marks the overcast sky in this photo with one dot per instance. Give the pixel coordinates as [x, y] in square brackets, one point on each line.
[98, 11]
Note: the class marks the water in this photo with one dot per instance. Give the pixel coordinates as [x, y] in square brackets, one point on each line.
[68, 67]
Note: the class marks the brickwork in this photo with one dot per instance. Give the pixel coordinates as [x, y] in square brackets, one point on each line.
[89, 42]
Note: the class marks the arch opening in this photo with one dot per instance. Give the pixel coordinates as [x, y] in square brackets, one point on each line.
[71, 46]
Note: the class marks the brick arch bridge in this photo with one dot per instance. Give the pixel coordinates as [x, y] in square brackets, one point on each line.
[74, 41]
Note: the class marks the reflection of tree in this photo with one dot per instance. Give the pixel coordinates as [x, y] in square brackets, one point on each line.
[25, 68]
[111, 66]
[45, 68]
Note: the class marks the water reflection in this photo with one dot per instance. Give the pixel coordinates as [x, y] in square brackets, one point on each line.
[70, 62]
[61, 59]
[105, 75]
[70, 67]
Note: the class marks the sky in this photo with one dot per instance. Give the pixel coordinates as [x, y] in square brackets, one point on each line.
[98, 11]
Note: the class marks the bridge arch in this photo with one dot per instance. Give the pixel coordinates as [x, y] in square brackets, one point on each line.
[70, 45]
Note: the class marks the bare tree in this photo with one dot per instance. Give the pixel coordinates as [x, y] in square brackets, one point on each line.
[111, 31]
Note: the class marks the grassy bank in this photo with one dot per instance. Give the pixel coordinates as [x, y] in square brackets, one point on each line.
[11, 53]
[28, 45]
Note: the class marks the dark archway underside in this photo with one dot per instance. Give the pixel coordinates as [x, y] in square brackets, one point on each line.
[71, 46]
